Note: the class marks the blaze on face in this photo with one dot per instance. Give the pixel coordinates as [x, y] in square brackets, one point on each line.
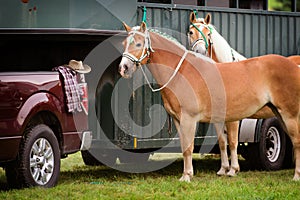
[134, 46]
[198, 37]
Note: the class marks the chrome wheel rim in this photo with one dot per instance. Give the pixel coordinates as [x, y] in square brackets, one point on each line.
[41, 161]
[273, 144]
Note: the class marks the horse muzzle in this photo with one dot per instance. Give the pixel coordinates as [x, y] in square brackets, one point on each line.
[123, 70]
[126, 68]
[199, 46]
[199, 49]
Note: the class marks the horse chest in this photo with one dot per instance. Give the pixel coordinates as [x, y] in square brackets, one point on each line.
[171, 105]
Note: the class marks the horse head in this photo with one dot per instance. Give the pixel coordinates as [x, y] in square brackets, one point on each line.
[137, 49]
[199, 34]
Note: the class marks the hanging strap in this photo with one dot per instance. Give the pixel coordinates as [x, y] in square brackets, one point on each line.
[145, 15]
[196, 13]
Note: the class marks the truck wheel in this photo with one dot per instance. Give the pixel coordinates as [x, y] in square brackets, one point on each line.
[89, 159]
[135, 158]
[38, 162]
[272, 145]
[98, 157]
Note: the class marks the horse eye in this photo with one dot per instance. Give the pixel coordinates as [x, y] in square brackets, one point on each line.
[138, 45]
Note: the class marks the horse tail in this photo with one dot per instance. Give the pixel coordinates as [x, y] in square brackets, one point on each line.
[278, 115]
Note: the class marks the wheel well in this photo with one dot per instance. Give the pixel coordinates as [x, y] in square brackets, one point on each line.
[49, 119]
[258, 129]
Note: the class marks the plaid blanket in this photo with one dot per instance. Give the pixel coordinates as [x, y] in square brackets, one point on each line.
[71, 88]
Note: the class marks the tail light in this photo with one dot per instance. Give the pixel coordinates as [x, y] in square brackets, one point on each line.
[84, 97]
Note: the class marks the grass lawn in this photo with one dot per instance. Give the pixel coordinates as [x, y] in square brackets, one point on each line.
[78, 181]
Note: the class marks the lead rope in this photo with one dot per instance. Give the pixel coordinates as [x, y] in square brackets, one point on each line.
[144, 19]
[211, 48]
[173, 75]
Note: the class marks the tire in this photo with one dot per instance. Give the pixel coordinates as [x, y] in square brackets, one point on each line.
[272, 145]
[100, 157]
[38, 162]
[251, 154]
[89, 159]
[133, 158]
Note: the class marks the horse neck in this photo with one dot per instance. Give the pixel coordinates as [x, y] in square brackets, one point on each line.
[220, 48]
[165, 58]
[222, 51]
[212, 53]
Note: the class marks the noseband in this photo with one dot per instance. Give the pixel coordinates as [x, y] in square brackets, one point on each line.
[146, 50]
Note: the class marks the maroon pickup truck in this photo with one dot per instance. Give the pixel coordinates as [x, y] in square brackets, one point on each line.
[36, 129]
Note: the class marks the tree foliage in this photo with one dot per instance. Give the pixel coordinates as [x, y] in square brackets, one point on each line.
[282, 5]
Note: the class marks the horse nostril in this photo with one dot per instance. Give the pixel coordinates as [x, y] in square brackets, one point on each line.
[125, 68]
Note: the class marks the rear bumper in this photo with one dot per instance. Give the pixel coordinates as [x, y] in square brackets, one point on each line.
[86, 140]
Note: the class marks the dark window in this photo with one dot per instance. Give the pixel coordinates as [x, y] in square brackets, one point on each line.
[186, 2]
[252, 4]
[278, 5]
[218, 3]
[214, 3]
[156, 1]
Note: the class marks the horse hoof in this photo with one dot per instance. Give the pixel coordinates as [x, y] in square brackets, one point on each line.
[185, 178]
[231, 173]
[296, 178]
[221, 172]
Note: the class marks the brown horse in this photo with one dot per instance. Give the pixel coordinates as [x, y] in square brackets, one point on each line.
[195, 89]
[206, 40]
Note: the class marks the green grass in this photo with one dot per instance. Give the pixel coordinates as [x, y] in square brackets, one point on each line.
[78, 181]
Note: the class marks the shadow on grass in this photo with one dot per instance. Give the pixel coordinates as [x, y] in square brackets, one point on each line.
[97, 174]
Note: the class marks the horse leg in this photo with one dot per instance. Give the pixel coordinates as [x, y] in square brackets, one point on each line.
[223, 149]
[232, 135]
[292, 126]
[187, 128]
[293, 129]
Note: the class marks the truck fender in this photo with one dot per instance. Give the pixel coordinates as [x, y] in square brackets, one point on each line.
[39, 102]
[250, 130]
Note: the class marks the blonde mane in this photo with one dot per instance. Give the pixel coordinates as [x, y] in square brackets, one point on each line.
[175, 41]
[168, 37]
[223, 51]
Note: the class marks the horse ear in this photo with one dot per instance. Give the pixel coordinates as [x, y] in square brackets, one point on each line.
[127, 28]
[207, 18]
[143, 27]
[193, 17]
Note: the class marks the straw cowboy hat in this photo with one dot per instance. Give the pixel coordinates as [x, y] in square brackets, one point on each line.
[79, 67]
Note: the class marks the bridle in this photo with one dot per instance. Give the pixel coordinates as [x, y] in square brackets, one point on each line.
[146, 53]
[207, 40]
[146, 50]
